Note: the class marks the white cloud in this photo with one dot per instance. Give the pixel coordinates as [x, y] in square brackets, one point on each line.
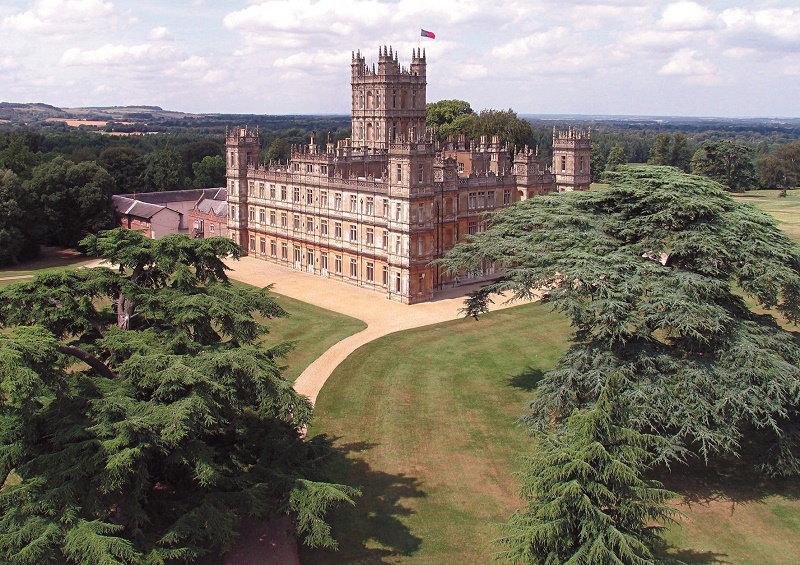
[304, 16]
[303, 23]
[8, 63]
[687, 62]
[652, 40]
[160, 33]
[125, 55]
[314, 60]
[686, 15]
[62, 17]
[605, 16]
[473, 72]
[532, 45]
[764, 30]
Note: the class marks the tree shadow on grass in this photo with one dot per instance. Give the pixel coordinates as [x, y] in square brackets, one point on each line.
[691, 557]
[730, 479]
[372, 529]
[527, 380]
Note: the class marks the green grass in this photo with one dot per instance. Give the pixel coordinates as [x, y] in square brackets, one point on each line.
[313, 329]
[785, 210]
[427, 423]
[734, 515]
[429, 419]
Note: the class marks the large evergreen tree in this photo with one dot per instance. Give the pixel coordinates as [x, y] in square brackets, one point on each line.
[653, 273]
[679, 154]
[660, 152]
[616, 158]
[140, 419]
[587, 500]
[598, 162]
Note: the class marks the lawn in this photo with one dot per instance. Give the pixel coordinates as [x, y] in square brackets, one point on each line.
[313, 329]
[428, 422]
[785, 210]
[733, 515]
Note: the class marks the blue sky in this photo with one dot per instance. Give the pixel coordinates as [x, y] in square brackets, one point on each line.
[650, 57]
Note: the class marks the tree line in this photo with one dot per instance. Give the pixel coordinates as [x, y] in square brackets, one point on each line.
[742, 157]
[56, 186]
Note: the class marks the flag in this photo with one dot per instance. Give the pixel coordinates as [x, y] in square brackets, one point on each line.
[428, 34]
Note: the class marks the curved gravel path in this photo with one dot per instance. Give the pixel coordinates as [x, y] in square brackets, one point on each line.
[382, 316]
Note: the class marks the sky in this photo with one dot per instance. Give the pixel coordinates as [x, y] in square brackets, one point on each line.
[727, 58]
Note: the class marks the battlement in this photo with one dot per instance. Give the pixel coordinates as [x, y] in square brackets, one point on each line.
[388, 64]
[571, 137]
[240, 136]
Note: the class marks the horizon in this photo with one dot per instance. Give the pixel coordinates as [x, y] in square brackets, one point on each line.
[524, 115]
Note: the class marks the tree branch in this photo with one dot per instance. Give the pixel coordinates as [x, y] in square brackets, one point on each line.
[89, 359]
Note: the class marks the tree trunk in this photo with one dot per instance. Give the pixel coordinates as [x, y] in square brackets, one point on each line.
[125, 309]
[89, 359]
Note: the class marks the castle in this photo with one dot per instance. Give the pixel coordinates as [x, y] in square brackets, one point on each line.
[377, 208]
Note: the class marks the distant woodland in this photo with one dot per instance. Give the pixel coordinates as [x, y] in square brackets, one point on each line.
[67, 163]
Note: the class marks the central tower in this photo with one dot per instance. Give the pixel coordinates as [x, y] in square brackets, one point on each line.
[388, 102]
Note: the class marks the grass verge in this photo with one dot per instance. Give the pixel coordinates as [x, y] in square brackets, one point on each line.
[314, 330]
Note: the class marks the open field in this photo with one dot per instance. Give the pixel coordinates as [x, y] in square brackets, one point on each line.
[428, 419]
[77, 123]
[785, 210]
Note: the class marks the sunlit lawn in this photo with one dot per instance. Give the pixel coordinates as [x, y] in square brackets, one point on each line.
[314, 330]
[428, 419]
[785, 210]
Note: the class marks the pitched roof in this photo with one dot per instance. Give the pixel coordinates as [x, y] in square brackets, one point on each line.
[218, 207]
[131, 207]
[190, 194]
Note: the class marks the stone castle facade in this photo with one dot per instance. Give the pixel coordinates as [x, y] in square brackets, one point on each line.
[377, 208]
